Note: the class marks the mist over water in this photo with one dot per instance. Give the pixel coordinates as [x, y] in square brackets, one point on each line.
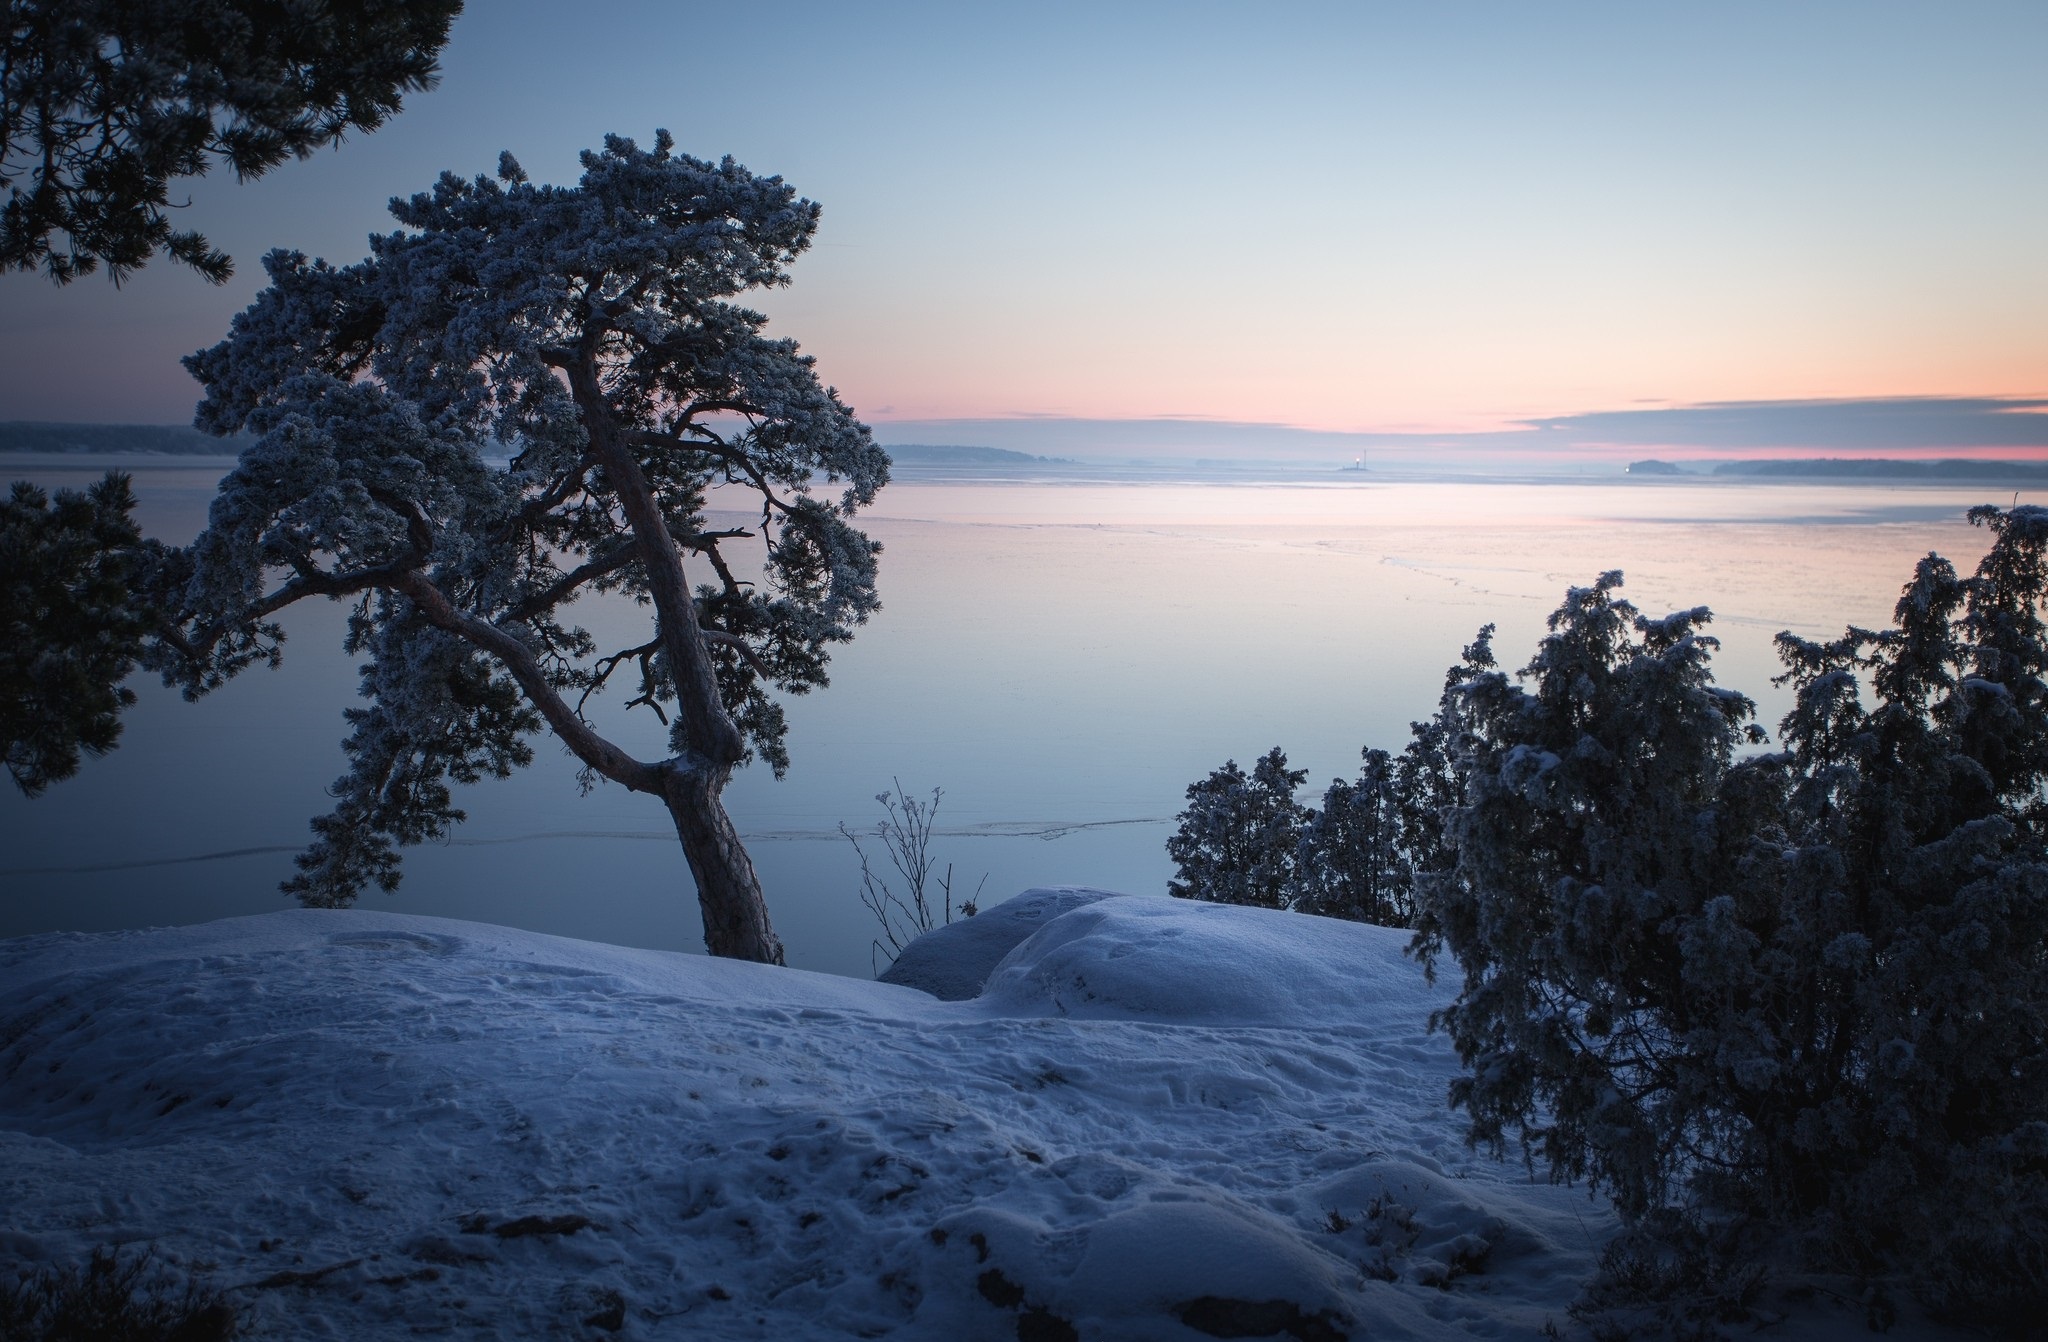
[1062, 658]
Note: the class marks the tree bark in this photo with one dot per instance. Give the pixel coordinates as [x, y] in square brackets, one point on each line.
[708, 729]
[735, 916]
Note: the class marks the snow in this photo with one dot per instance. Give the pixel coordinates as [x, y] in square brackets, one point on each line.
[1161, 1120]
[1180, 962]
[952, 961]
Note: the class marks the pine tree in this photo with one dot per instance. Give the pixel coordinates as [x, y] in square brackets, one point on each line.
[1587, 821]
[525, 395]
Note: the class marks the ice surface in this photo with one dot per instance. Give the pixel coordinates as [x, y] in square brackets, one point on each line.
[1162, 1120]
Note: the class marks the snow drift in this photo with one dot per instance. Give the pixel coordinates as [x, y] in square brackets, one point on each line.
[1159, 1120]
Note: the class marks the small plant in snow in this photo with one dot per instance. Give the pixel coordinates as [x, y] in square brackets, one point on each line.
[1671, 1276]
[109, 1300]
[904, 834]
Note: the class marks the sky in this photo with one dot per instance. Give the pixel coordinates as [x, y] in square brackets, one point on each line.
[1578, 223]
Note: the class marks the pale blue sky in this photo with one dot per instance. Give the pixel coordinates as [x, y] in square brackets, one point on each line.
[1363, 217]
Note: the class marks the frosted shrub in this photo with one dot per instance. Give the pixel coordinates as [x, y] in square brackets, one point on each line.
[104, 107]
[1806, 990]
[1238, 836]
[1244, 839]
[71, 628]
[1352, 862]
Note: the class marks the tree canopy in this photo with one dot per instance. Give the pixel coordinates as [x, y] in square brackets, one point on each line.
[105, 103]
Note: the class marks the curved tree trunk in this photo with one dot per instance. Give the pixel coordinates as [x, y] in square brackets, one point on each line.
[735, 914]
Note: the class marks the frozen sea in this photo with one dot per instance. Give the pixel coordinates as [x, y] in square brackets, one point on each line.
[1061, 657]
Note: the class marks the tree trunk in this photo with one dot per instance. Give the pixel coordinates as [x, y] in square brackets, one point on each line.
[735, 914]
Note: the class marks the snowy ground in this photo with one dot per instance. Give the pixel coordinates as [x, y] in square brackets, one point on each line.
[1159, 1120]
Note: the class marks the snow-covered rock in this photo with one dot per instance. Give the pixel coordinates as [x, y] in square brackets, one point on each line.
[1208, 964]
[1161, 1120]
[951, 962]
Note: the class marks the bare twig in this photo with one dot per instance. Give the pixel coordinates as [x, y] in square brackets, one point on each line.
[905, 833]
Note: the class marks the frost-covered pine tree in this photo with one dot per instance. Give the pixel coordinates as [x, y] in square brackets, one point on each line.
[588, 334]
[1240, 834]
[1918, 895]
[1429, 780]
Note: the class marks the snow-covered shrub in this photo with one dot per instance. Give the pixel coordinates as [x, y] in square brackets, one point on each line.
[1808, 989]
[1245, 840]
[1362, 857]
[1239, 835]
[1352, 861]
[1675, 1278]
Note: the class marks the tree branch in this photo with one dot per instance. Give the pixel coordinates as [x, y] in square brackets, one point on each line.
[602, 673]
[540, 505]
[731, 456]
[596, 752]
[545, 600]
[709, 730]
[310, 582]
[616, 558]
[745, 648]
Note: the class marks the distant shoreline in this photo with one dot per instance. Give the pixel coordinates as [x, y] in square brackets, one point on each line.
[1960, 469]
[55, 445]
[170, 440]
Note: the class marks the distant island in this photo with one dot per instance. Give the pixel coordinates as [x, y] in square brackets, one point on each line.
[956, 454]
[1882, 468]
[176, 439]
[1851, 468]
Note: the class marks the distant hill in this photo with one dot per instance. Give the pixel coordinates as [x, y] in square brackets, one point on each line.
[181, 439]
[1654, 468]
[1880, 468]
[955, 454]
